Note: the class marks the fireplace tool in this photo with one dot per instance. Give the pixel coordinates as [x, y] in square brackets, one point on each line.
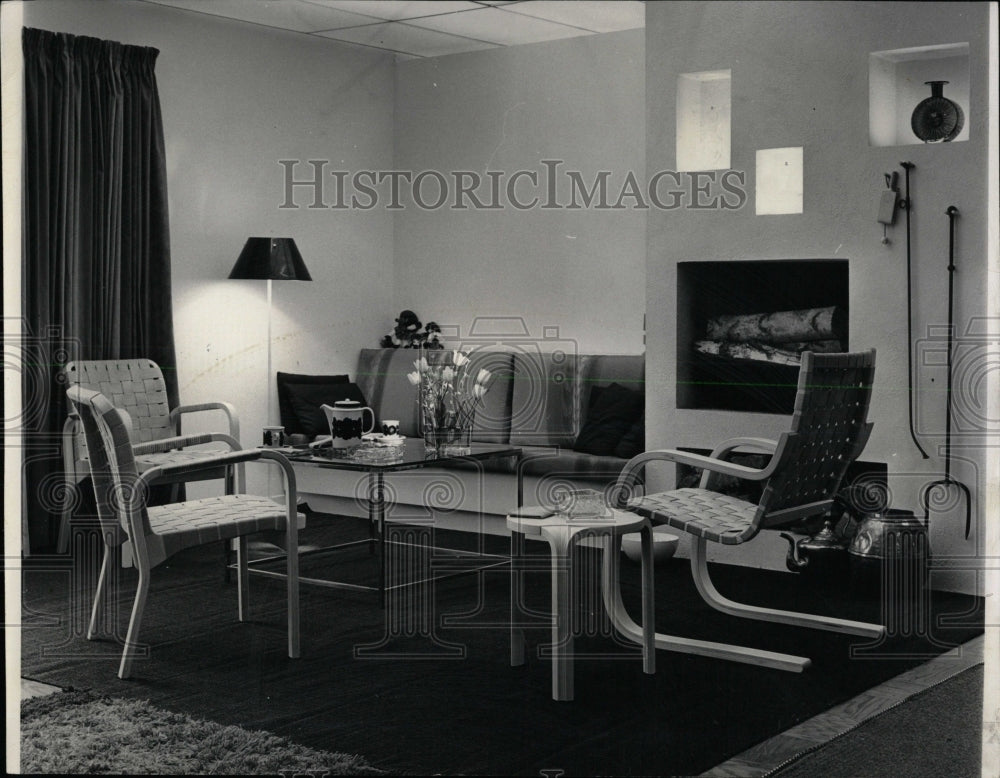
[907, 205]
[948, 481]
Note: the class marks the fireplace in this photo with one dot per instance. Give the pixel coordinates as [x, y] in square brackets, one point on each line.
[742, 325]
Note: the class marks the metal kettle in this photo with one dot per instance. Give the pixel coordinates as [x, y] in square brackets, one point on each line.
[821, 556]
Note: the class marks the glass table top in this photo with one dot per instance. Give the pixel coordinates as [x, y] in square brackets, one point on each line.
[410, 455]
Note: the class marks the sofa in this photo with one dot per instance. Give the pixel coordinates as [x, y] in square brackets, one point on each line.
[578, 418]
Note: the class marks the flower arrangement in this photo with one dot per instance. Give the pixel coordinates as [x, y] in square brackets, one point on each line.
[448, 394]
[409, 332]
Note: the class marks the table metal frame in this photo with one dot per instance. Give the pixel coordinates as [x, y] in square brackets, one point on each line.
[377, 509]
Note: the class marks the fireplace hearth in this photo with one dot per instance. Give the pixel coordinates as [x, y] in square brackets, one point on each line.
[742, 326]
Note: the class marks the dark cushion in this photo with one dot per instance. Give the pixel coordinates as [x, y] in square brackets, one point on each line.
[610, 415]
[289, 420]
[633, 442]
[306, 399]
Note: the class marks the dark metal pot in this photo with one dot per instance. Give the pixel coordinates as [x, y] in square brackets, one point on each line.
[821, 558]
[890, 553]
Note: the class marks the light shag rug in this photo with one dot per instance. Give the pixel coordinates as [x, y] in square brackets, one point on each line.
[79, 732]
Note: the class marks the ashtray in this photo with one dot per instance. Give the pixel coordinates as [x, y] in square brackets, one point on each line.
[378, 439]
[377, 453]
[584, 504]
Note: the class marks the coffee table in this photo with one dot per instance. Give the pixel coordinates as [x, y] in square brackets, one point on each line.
[411, 456]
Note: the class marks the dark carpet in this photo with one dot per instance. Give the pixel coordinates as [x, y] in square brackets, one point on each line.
[934, 733]
[424, 686]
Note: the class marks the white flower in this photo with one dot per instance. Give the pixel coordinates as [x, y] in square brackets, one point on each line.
[421, 364]
[479, 391]
[413, 378]
[483, 376]
[459, 358]
[448, 373]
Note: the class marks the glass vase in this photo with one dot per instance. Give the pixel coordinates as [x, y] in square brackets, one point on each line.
[446, 434]
[445, 404]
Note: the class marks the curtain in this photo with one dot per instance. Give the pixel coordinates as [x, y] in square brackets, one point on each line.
[96, 254]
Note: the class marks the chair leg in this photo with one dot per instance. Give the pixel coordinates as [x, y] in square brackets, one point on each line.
[711, 595]
[102, 579]
[292, 575]
[242, 578]
[516, 575]
[134, 624]
[629, 629]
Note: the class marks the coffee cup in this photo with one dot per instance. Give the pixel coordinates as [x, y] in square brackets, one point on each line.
[390, 426]
[274, 436]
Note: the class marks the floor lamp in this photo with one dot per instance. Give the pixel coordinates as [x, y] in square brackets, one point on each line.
[270, 259]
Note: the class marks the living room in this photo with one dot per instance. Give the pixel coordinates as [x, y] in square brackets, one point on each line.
[251, 112]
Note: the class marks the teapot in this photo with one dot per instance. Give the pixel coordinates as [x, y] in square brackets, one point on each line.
[822, 556]
[346, 419]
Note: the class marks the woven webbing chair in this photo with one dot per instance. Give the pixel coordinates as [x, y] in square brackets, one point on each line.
[137, 387]
[158, 532]
[829, 430]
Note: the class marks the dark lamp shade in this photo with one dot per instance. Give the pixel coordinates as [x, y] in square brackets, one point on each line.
[277, 259]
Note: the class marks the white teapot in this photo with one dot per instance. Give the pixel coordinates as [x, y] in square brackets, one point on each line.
[346, 418]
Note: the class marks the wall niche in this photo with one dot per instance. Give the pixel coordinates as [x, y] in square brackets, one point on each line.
[718, 366]
[704, 118]
[897, 83]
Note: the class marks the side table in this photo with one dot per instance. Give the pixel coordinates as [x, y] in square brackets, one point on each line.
[562, 534]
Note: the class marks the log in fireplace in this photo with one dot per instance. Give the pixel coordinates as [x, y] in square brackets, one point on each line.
[742, 325]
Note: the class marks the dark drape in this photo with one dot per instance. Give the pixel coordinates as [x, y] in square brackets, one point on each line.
[96, 254]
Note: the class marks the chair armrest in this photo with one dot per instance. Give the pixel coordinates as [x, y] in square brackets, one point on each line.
[228, 408]
[221, 460]
[636, 464]
[709, 478]
[169, 444]
[726, 447]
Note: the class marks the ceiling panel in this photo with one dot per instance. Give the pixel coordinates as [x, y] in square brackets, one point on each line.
[499, 26]
[429, 28]
[399, 9]
[595, 15]
[295, 15]
[405, 39]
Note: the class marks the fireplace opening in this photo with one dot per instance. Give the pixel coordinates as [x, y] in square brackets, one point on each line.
[742, 326]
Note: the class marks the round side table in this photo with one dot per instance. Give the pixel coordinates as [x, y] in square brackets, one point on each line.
[562, 533]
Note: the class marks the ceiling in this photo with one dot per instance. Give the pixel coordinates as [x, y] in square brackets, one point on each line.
[429, 28]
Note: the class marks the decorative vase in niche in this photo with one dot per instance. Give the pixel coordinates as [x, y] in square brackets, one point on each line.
[937, 118]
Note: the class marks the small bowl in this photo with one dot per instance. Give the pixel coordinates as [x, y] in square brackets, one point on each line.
[664, 545]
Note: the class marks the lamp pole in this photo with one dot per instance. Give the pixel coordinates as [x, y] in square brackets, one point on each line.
[270, 388]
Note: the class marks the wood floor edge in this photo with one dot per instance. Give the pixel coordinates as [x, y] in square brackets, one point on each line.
[766, 756]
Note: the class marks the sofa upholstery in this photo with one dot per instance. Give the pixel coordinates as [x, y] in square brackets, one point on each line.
[537, 401]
